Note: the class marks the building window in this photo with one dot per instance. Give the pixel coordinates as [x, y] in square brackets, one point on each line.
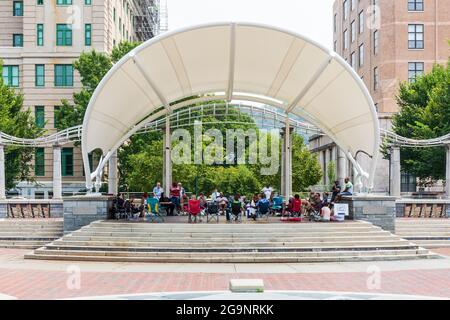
[376, 78]
[17, 40]
[40, 35]
[415, 69]
[39, 162]
[415, 36]
[353, 31]
[67, 161]
[87, 34]
[88, 2]
[63, 35]
[39, 75]
[415, 5]
[345, 39]
[114, 14]
[353, 60]
[63, 2]
[40, 2]
[361, 55]
[345, 9]
[18, 8]
[361, 22]
[39, 116]
[11, 76]
[63, 75]
[376, 41]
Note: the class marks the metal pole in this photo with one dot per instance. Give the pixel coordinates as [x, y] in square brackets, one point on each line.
[447, 172]
[167, 158]
[396, 172]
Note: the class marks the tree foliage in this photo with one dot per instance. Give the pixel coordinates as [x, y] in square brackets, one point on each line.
[16, 122]
[424, 114]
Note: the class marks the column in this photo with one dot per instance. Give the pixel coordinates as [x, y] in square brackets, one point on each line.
[395, 172]
[2, 173]
[167, 160]
[447, 172]
[57, 176]
[341, 166]
[113, 185]
[286, 166]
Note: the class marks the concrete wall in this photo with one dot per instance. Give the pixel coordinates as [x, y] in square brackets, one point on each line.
[81, 211]
[378, 210]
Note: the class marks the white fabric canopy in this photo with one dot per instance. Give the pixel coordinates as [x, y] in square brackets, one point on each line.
[241, 61]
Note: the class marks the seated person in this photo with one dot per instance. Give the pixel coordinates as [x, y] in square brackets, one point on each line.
[167, 204]
[263, 206]
[203, 202]
[335, 191]
[193, 208]
[296, 206]
[236, 207]
[222, 202]
[348, 188]
[325, 215]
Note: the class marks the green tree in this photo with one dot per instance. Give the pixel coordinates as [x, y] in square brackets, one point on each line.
[306, 169]
[16, 122]
[122, 49]
[424, 114]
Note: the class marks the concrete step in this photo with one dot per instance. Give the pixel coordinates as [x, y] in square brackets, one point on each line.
[144, 242]
[432, 244]
[87, 232]
[405, 245]
[132, 244]
[350, 257]
[319, 238]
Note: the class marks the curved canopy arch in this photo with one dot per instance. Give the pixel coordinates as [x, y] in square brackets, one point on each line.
[233, 61]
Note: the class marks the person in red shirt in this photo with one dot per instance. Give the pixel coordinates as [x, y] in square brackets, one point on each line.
[175, 196]
[297, 206]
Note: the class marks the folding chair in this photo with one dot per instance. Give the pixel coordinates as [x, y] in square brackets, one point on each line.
[153, 211]
[263, 210]
[193, 209]
[212, 212]
[277, 206]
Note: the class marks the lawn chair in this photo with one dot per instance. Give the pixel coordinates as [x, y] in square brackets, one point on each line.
[153, 211]
[277, 206]
[193, 209]
[212, 212]
[263, 210]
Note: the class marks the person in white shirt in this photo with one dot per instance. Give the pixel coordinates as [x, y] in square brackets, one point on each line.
[267, 190]
[157, 190]
[215, 195]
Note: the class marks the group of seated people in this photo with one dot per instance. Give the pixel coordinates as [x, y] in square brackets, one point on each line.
[317, 207]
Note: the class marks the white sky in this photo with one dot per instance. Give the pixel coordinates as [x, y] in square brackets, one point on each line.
[312, 18]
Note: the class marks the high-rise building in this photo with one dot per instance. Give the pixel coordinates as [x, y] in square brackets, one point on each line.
[40, 40]
[386, 42]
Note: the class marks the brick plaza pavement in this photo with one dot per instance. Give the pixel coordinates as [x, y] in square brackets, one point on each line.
[36, 282]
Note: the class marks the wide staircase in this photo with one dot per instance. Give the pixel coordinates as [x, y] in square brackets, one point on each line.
[29, 233]
[428, 233]
[230, 243]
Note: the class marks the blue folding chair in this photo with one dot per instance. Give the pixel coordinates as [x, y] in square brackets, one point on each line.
[277, 205]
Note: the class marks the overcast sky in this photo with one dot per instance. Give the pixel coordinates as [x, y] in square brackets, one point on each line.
[312, 18]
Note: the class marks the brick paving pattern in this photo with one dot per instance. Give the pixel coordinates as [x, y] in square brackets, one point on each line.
[35, 284]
